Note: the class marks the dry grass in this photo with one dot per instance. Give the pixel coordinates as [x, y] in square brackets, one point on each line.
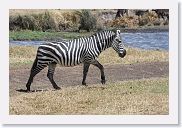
[42, 19]
[138, 97]
[21, 55]
[134, 55]
[15, 12]
[25, 55]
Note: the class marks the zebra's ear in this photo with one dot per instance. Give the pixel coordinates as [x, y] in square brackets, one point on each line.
[118, 32]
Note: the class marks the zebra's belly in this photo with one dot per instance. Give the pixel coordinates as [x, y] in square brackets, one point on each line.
[65, 63]
[69, 65]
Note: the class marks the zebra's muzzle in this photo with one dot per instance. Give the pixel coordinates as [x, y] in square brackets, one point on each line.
[122, 54]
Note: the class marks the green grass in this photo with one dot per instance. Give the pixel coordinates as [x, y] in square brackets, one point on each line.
[135, 97]
[54, 36]
[38, 35]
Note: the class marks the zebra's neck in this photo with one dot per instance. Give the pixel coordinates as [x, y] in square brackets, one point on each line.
[104, 39]
[96, 43]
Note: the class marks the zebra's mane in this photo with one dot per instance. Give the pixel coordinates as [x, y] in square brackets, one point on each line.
[102, 32]
[110, 35]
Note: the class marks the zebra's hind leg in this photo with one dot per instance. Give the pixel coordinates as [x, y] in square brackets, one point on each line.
[34, 70]
[85, 71]
[50, 74]
[97, 64]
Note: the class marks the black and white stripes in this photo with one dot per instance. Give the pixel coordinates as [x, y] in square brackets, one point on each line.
[73, 52]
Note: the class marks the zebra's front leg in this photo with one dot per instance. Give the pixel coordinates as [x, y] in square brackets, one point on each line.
[85, 71]
[50, 74]
[97, 64]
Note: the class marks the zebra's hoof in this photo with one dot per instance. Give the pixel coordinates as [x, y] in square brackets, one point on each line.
[83, 83]
[57, 88]
[103, 81]
[28, 90]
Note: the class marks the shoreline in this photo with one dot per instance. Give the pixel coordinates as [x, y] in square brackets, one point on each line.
[56, 36]
[146, 29]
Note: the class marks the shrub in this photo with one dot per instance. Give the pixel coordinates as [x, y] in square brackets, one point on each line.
[143, 21]
[149, 18]
[22, 22]
[12, 25]
[32, 22]
[125, 21]
[87, 21]
[157, 22]
[46, 22]
[70, 21]
[100, 25]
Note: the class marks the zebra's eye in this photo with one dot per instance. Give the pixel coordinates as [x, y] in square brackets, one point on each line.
[118, 40]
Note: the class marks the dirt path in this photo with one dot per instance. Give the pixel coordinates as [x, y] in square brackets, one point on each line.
[70, 76]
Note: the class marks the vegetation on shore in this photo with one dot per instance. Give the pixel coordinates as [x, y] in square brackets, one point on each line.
[135, 97]
[38, 35]
[56, 36]
[23, 55]
[75, 20]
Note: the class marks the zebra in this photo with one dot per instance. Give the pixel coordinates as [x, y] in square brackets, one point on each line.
[74, 52]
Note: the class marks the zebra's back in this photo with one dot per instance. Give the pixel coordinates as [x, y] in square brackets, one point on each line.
[64, 53]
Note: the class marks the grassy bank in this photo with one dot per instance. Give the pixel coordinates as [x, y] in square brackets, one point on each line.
[38, 35]
[56, 36]
[25, 55]
[147, 96]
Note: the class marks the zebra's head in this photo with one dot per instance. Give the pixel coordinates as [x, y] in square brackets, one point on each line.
[118, 46]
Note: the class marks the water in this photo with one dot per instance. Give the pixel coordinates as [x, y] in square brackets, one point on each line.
[26, 43]
[154, 41]
[159, 40]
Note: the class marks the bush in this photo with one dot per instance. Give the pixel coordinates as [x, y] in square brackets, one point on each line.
[149, 18]
[70, 21]
[100, 25]
[125, 21]
[157, 22]
[87, 21]
[46, 22]
[22, 22]
[32, 22]
[12, 25]
[143, 21]
[56, 20]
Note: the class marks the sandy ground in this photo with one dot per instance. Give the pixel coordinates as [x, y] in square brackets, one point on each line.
[72, 76]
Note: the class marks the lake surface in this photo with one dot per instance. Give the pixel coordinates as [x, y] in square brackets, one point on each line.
[159, 41]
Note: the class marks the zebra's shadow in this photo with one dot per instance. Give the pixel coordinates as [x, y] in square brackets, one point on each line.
[31, 91]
